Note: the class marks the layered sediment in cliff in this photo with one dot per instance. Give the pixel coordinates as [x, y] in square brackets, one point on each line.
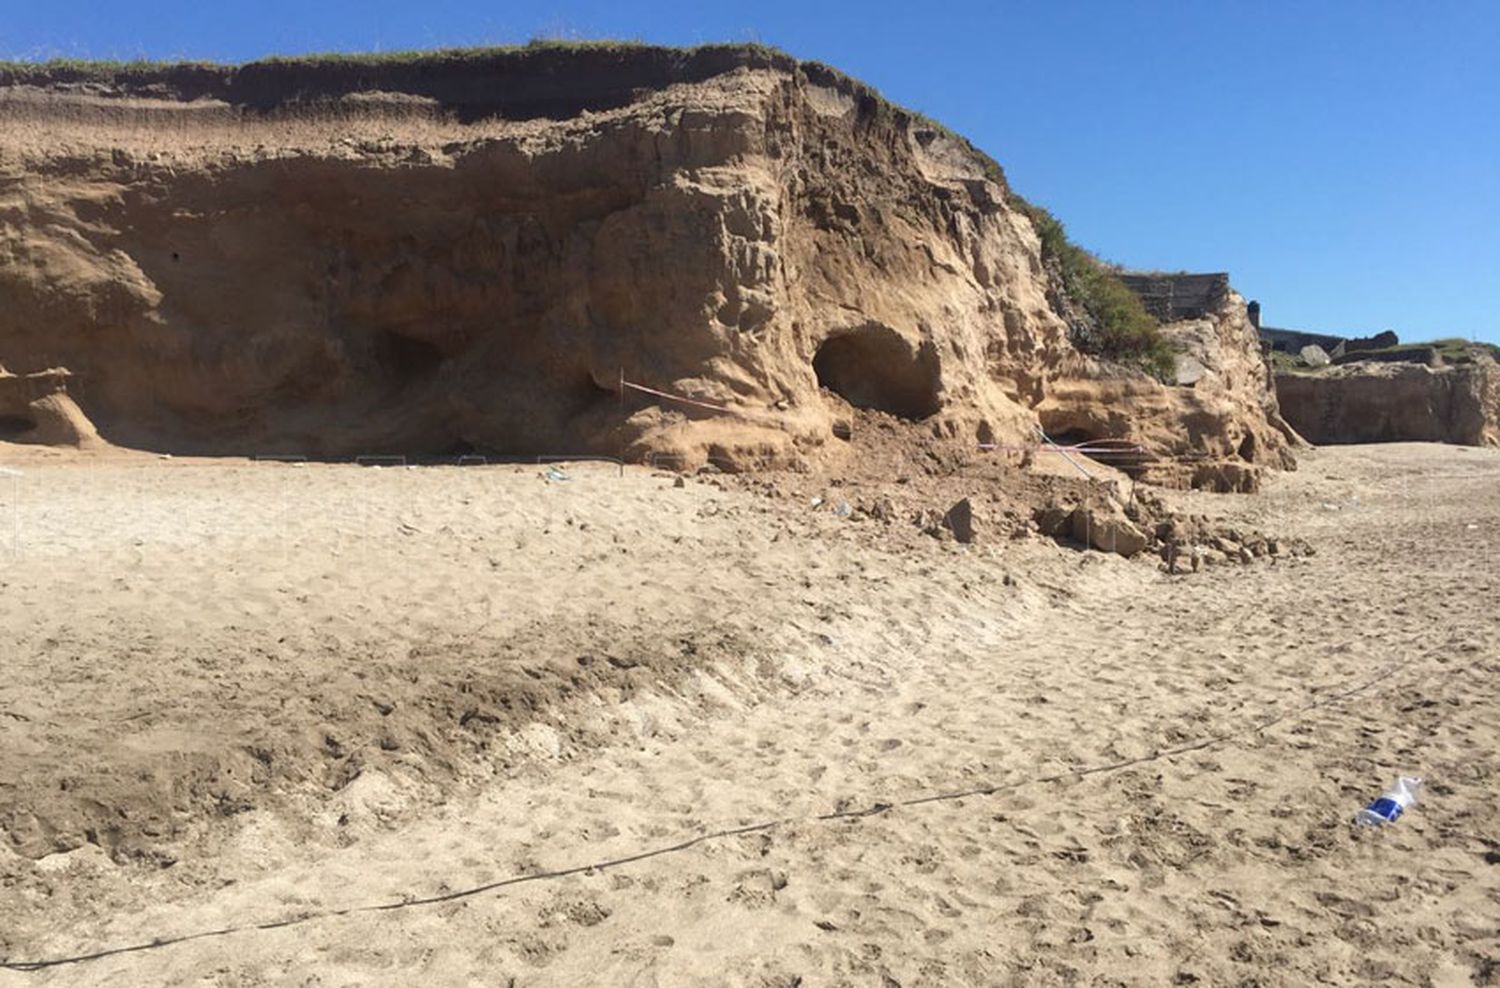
[1373, 402]
[447, 255]
[1216, 426]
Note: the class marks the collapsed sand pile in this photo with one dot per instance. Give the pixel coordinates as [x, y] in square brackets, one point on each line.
[435, 256]
[1370, 402]
[36, 408]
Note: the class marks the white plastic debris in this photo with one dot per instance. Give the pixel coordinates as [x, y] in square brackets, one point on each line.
[1392, 803]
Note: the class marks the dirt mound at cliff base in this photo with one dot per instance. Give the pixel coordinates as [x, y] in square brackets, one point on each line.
[36, 409]
[913, 485]
[463, 716]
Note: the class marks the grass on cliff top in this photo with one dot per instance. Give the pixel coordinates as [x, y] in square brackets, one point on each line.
[1453, 349]
[1120, 327]
[1456, 349]
[105, 69]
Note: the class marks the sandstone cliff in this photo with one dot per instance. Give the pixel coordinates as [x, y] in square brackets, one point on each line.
[336, 258]
[1370, 402]
[1215, 427]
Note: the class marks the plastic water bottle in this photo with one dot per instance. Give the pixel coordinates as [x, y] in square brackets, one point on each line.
[1389, 807]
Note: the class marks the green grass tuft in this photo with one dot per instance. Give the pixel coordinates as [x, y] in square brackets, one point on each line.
[105, 69]
[1453, 350]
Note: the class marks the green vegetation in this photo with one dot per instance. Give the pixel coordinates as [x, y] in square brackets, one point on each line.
[1289, 363]
[105, 69]
[1451, 350]
[86, 69]
[1120, 327]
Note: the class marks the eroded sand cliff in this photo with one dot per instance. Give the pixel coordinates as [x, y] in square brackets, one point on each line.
[333, 259]
[1368, 402]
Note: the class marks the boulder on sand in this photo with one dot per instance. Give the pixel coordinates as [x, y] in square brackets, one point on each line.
[1105, 527]
[960, 521]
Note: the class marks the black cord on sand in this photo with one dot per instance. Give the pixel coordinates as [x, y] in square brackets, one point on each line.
[873, 809]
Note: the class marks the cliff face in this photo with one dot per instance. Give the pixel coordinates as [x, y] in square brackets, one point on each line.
[1216, 428]
[1382, 402]
[427, 258]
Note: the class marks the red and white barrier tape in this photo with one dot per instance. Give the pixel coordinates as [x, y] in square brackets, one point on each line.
[1085, 449]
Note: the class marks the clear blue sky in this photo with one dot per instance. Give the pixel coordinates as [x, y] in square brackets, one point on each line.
[1340, 159]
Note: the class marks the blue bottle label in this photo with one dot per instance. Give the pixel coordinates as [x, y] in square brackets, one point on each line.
[1386, 808]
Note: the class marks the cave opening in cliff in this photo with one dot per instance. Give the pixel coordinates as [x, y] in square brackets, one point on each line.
[406, 359]
[15, 425]
[875, 367]
[1102, 444]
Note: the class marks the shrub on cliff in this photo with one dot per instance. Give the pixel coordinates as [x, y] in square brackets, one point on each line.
[1118, 326]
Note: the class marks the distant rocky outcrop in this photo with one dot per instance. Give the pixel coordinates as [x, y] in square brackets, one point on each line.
[1294, 341]
[1371, 401]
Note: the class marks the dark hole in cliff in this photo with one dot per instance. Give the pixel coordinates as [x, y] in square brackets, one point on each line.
[408, 360]
[459, 447]
[15, 425]
[1247, 448]
[873, 367]
[589, 396]
[175, 256]
[1104, 447]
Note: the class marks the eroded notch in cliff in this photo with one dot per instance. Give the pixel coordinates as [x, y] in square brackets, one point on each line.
[873, 366]
[15, 425]
[407, 360]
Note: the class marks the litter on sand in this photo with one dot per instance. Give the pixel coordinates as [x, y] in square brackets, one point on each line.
[1391, 804]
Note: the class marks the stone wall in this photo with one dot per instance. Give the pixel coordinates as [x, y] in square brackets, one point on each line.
[1174, 297]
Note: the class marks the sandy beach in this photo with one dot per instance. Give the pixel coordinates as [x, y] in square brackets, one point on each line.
[279, 723]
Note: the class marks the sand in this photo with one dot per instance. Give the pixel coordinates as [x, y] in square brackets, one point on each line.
[259, 698]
